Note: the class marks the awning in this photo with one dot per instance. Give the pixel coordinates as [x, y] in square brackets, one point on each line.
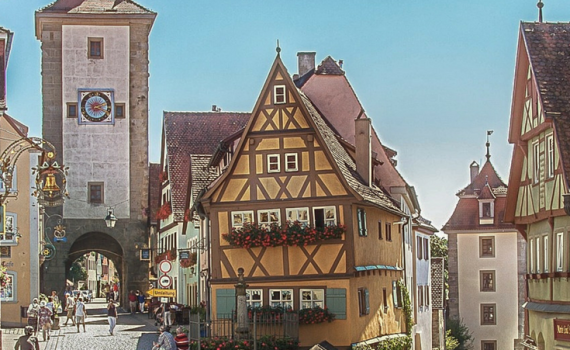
[551, 308]
[377, 267]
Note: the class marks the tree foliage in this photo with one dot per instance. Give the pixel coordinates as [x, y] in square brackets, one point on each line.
[460, 332]
[450, 342]
[77, 271]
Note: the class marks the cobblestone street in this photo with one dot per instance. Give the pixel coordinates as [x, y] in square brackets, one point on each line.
[132, 332]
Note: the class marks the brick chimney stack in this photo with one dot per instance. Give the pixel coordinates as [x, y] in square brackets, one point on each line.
[306, 62]
[362, 130]
[474, 169]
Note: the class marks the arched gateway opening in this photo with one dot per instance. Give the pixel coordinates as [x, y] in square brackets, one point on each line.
[99, 246]
[92, 237]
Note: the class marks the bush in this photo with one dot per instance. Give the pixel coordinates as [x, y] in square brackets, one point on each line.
[458, 330]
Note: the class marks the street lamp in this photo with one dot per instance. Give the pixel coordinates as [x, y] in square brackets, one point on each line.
[110, 219]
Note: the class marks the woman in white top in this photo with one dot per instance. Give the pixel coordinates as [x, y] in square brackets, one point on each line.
[80, 313]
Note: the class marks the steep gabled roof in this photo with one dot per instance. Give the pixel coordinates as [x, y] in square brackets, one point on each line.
[20, 128]
[486, 185]
[193, 133]
[202, 174]
[341, 161]
[548, 49]
[96, 6]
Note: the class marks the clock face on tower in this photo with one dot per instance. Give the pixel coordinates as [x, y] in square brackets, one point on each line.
[96, 106]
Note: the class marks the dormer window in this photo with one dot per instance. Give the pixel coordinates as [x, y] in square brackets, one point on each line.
[486, 212]
[279, 94]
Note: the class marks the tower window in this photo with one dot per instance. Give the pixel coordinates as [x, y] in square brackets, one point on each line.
[72, 110]
[95, 48]
[95, 192]
[119, 110]
[487, 247]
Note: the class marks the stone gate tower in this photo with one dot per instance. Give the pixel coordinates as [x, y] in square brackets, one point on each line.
[95, 111]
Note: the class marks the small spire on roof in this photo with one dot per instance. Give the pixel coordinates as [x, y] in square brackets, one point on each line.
[540, 5]
[488, 144]
[278, 49]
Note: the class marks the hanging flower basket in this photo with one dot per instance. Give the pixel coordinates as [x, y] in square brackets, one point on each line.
[167, 255]
[191, 261]
[289, 234]
[164, 212]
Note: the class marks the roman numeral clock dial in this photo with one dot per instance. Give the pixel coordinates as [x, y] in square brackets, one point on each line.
[96, 107]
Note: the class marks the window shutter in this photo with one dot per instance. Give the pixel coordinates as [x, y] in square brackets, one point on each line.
[336, 302]
[367, 301]
[225, 302]
[364, 233]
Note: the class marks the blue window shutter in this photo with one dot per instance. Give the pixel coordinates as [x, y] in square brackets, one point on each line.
[364, 233]
[225, 302]
[367, 301]
[336, 302]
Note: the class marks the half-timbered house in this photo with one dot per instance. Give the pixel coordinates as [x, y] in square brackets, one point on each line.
[540, 168]
[290, 173]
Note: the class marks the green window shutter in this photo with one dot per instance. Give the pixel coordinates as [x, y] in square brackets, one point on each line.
[336, 302]
[225, 302]
[367, 301]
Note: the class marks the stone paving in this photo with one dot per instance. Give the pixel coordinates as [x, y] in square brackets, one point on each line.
[132, 332]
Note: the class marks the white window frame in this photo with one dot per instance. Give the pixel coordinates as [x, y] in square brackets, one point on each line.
[269, 212]
[243, 216]
[12, 220]
[277, 94]
[313, 300]
[249, 300]
[550, 155]
[273, 159]
[545, 253]
[296, 214]
[11, 286]
[535, 162]
[326, 210]
[491, 208]
[559, 251]
[282, 301]
[531, 255]
[294, 163]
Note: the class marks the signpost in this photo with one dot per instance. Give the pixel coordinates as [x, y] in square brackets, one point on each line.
[165, 266]
[162, 293]
[165, 281]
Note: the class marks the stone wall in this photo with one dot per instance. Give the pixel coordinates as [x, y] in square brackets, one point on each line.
[453, 301]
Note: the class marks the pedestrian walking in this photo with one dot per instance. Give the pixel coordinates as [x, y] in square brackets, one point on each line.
[165, 340]
[69, 308]
[140, 298]
[111, 316]
[80, 313]
[167, 319]
[116, 291]
[132, 302]
[44, 320]
[27, 341]
[33, 310]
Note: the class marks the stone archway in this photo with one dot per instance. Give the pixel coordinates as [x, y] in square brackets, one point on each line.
[117, 244]
[98, 242]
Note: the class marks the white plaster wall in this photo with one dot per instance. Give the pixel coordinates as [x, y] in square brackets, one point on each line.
[506, 295]
[423, 277]
[96, 153]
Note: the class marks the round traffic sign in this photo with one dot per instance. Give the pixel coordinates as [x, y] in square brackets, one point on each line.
[165, 281]
[165, 266]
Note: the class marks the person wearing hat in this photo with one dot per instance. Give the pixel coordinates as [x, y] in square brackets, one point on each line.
[44, 319]
[26, 341]
[33, 314]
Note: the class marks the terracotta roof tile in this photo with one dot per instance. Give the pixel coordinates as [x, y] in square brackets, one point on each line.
[486, 185]
[198, 133]
[548, 45]
[96, 6]
[329, 66]
[202, 175]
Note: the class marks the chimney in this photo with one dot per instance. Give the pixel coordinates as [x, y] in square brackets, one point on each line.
[306, 62]
[474, 168]
[363, 149]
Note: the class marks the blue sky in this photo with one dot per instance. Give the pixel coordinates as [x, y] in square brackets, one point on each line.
[433, 74]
